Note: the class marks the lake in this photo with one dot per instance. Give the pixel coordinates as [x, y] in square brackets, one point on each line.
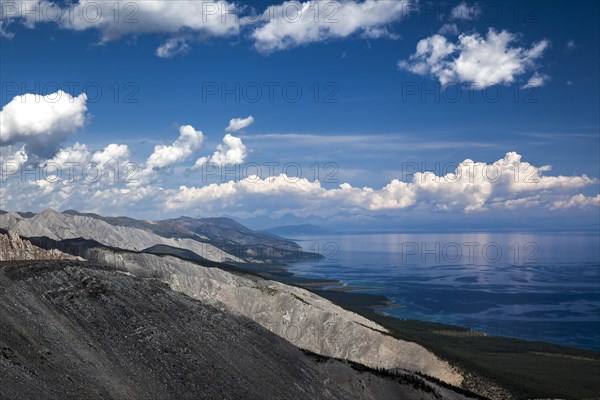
[533, 286]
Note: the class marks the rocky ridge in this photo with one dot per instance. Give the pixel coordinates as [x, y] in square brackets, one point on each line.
[12, 248]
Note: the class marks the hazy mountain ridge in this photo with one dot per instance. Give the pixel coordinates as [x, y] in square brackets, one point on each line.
[300, 229]
[228, 234]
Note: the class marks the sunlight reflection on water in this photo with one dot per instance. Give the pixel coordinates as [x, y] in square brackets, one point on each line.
[542, 286]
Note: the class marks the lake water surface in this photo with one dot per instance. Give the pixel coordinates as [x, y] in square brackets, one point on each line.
[542, 286]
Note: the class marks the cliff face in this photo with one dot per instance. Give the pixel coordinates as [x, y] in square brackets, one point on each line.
[73, 330]
[12, 247]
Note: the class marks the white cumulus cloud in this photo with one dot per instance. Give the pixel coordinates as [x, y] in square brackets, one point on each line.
[77, 154]
[14, 155]
[188, 142]
[81, 156]
[281, 26]
[77, 171]
[164, 156]
[21, 156]
[293, 23]
[231, 151]
[42, 122]
[237, 124]
[115, 19]
[207, 17]
[474, 59]
[577, 201]
[508, 183]
[110, 154]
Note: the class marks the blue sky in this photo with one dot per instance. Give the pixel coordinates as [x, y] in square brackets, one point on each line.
[370, 105]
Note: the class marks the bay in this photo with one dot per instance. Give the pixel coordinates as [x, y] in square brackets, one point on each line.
[532, 286]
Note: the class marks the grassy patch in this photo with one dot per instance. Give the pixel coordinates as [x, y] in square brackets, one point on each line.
[269, 290]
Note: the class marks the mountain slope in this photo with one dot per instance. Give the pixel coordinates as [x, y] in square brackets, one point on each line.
[73, 330]
[215, 239]
[58, 226]
[228, 234]
[297, 315]
[225, 233]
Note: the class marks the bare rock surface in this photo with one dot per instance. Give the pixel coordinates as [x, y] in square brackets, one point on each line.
[73, 330]
[58, 226]
[295, 314]
[12, 247]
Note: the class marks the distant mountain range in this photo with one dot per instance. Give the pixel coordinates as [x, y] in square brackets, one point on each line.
[301, 229]
[215, 239]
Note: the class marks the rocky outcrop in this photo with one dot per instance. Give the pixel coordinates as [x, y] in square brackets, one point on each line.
[74, 331]
[12, 248]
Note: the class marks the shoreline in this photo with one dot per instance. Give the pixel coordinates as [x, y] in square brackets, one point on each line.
[368, 304]
[523, 368]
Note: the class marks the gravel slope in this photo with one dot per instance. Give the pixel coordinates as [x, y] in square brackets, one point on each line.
[72, 330]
